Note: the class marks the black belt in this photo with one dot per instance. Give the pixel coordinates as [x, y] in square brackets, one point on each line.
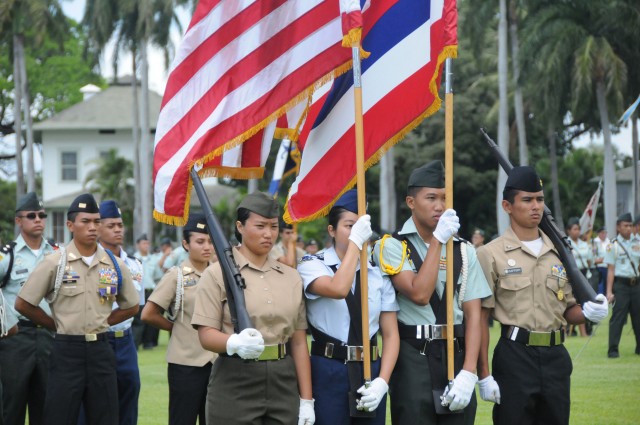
[428, 332]
[27, 324]
[82, 338]
[346, 353]
[631, 281]
[532, 338]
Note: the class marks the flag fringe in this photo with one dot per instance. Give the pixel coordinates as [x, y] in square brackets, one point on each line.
[447, 52]
[353, 37]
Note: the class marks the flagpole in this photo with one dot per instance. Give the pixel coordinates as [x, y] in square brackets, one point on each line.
[364, 288]
[448, 166]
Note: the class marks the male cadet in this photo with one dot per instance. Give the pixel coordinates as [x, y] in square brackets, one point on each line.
[120, 336]
[80, 281]
[533, 300]
[151, 274]
[415, 261]
[623, 283]
[280, 251]
[24, 359]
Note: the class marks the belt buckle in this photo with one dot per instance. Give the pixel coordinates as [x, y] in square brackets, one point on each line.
[539, 339]
[91, 337]
[354, 353]
[633, 281]
[118, 334]
[438, 332]
[374, 353]
[328, 350]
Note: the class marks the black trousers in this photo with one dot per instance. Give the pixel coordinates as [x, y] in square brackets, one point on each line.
[82, 372]
[410, 391]
[534, 382]
[149, 335]
[627, 303]
[187, 393]
[24, 367]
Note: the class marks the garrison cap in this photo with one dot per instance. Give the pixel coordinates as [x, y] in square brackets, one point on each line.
[348, 201]
[572, 222]
[196, 223]
[165, 241]
[84, 203]
[261, 204]
[523, 178]
[142, 237]
[601, 229]
[429, 175]
[624, 217]
[29, 202]
[109, 209]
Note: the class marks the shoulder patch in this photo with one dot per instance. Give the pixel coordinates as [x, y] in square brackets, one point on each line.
[309, 257]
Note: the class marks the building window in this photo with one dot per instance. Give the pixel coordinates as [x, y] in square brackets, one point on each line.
[57, 223]
[69, 166]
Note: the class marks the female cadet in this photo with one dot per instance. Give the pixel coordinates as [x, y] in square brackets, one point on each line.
[189, 364]
[262, 375]
[332, 287]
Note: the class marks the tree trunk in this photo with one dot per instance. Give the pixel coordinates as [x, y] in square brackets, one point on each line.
[518, 102]
[135, 133]
[146, 151]
[636, 165]
[503, 121]
[28, 121]
[610, 195]
[388, 203]
[17, 113]
[555, 187]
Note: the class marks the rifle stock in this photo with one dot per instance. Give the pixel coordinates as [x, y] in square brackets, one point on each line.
[233, 280]
[581, 287]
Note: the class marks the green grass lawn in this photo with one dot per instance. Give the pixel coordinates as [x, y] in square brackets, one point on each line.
[603, 391]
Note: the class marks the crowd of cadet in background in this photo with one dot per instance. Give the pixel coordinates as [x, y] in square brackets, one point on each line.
[89, 305]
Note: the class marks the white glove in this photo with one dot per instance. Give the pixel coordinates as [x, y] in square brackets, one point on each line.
[372, 395]
[447, 226]
[361, 231]
[596, 312]
[459, 394]
[248, 344]
[306, 415]
[489, 390]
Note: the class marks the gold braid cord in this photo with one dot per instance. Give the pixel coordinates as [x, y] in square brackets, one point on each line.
[388, 269]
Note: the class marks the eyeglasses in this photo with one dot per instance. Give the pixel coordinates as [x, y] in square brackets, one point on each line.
[32, 216]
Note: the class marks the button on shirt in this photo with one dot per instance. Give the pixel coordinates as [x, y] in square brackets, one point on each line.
[273, 297]
[77, 310]
[331, 316]
[135, 267]
[184, 345]
[24, 263]
[527, 288]
[582, 253]
[411, 313]
[615, 255]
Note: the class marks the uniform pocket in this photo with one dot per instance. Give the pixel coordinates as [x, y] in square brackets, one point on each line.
[514, 292]
[71, 289]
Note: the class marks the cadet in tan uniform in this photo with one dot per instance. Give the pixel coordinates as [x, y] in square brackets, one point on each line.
[264, 373]
[189, 364]
[533, 300]
[80, 282]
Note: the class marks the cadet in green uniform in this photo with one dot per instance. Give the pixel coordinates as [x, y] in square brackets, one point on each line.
[623, 283]
[80, 282]
[421, 364]
[533, 300]
[8, 328]
[189, 364]
[275, 389]
[24, 360]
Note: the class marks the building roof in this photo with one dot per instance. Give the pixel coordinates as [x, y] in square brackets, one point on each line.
[109, 109]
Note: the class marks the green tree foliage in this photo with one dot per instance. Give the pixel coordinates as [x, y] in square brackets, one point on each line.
[7, 212]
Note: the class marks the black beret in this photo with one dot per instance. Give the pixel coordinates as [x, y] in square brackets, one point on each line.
[625, 217]
[523, 178]
[429, 175]
[29, 202]
[84, 203]
[196, 223]
[261, 204]
[109, 209]
[572, 222]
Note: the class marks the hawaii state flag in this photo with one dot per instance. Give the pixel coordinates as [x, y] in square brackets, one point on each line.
[408, 41]
[589, 215]
[241, 65]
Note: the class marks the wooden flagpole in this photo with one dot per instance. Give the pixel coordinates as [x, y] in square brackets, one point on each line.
[448, 165]
[364, 288]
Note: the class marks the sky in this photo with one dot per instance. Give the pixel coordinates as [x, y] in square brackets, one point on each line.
[158, 76]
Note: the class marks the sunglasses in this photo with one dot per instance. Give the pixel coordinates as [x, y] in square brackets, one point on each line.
[32, 216]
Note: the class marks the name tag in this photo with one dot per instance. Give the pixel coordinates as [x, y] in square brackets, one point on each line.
[22, 271]
[514, 270]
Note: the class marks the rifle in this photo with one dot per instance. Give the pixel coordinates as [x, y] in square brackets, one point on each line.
[233, 280]
[581, 287]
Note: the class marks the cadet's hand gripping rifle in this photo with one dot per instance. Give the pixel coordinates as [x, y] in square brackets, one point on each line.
[581, 287]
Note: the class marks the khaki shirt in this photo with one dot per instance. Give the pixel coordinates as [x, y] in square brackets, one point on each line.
[273, 297]
[78, 309]
[184, 345]
[280, 250]
[528, 291]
